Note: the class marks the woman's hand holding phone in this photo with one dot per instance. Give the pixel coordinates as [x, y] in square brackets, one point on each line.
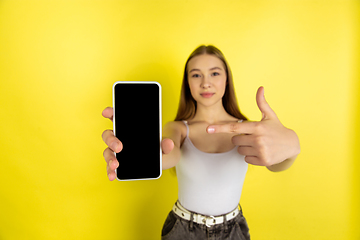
[115, 145]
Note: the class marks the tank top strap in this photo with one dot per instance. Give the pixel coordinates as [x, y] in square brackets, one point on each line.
[187, 127]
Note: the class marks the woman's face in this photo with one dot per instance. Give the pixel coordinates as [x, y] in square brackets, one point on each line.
[207, 79]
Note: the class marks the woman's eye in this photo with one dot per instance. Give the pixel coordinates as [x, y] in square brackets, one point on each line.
[215, 74]
[196, 75]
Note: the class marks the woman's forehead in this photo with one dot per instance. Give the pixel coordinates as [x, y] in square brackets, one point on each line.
[205, 62]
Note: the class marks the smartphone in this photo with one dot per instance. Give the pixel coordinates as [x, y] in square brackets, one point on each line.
[137, 124]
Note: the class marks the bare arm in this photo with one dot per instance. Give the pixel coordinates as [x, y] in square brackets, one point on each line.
[171, 143]
[283, 165]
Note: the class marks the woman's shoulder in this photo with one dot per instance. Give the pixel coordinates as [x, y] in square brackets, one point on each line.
[175, 130]
[176, 126]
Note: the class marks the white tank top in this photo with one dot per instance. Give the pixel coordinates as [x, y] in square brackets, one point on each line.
[209, 183]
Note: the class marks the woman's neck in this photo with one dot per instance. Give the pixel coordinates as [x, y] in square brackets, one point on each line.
[212, 114]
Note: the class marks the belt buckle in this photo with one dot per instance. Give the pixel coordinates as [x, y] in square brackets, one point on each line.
[208, 217]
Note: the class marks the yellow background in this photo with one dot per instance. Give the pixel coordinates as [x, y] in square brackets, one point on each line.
[59, 59]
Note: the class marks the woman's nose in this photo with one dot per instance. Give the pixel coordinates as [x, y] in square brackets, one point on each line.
[206, 82]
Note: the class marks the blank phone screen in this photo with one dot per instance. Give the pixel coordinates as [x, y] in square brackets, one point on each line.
[137, 124]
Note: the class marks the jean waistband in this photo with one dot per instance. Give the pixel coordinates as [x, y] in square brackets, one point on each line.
[209, 221]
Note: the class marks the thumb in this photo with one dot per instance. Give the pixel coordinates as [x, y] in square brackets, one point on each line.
[167, 145]
[267, 112]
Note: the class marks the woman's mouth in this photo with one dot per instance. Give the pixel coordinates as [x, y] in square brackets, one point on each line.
[207, 95]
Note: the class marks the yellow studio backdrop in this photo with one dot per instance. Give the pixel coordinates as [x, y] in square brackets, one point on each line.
[59, 59]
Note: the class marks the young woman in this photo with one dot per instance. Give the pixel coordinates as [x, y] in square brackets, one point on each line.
[210, 144]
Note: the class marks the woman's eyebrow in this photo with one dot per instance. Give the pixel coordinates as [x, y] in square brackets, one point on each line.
[214, 68]
[194, 69]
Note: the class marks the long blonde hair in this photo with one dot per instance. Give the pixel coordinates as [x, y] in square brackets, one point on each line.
[187, 104]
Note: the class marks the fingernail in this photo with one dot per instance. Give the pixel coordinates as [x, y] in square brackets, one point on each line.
[116, 165]
[109, 177]
[114, 146]
[211, 129]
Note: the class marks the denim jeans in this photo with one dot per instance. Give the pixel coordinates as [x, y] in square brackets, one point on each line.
[177, 228]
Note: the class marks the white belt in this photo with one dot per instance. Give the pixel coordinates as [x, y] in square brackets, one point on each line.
[203, 219]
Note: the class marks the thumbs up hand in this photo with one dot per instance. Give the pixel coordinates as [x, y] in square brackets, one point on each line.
[266, 142]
